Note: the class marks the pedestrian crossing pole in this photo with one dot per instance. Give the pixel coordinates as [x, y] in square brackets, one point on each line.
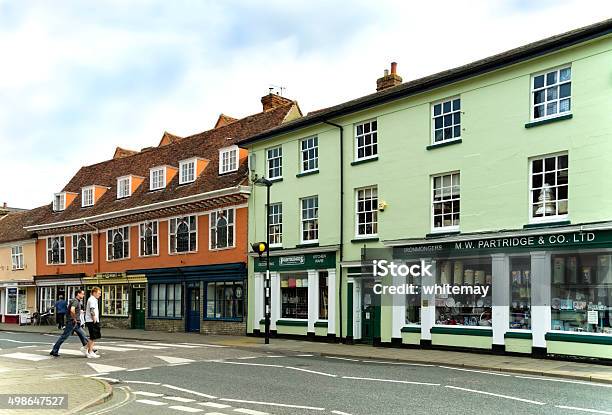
[260, 248]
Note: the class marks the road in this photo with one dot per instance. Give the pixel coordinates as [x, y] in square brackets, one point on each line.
[161, 378]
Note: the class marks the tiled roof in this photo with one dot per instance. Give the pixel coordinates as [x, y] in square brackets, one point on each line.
[491, 63]
[122, 152]
[205, 145]
[11, 225]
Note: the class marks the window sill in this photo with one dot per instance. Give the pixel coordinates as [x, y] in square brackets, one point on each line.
[307, 173]
[463, 331]
[518, 335]
[238, 320]
[442, 234]
[443, 144]
[358, 240]
[183, 253]
[276, 179]
[164, 318]
[276, 247]
[361, 161]
[575, 337]
[225, 173]
[546, 224]
[294, 323]
[548, 120]
[411, 329]
[321, 323]
[221, 249]
[307, 245]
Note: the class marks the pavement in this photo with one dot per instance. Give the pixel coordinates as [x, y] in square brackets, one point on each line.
[481, 361]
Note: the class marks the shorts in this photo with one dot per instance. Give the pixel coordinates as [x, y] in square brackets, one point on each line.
[94, 330]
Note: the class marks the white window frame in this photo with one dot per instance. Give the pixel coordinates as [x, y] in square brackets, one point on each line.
[176, 219]
[363, 134]
[141, 236]
[305, 153]
[442, 114]
[110, 241]
[17, 257]
[276, 219]
[88, 196]
[59, 204]
[46, 298]
[161, 177]
[451, 228]
[187, 162]
[278, 157]
[374, 212]
[75, 238]
[545, 103]
[125, 297]
[304, 221]
[554, 218]
[228, 159]
[62, 247]
[213, 218]
[120, 181]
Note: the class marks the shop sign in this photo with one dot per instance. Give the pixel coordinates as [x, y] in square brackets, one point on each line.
[110, 275]
[297, 262]
[527, 242]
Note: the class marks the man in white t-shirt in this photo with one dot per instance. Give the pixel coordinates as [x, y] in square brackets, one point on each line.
[92, 321]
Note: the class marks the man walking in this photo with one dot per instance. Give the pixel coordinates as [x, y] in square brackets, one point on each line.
[92, 321]
[72, 324]
[60, 311]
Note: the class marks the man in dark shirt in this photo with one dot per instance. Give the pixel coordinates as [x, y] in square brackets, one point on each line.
[60, 311]
[73, 324]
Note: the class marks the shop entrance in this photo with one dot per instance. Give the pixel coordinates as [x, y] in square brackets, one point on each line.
[370, 312]
[138, 310]
[192, 317]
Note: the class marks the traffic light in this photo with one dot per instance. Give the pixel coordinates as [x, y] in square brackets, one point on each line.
[259, 247]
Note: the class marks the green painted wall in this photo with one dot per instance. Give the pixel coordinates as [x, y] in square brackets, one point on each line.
[411, 338]
[518, 345]
[475, 342]
[580, 349]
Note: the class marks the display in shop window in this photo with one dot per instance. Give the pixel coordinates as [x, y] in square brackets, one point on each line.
[294, 296]
[520, 293]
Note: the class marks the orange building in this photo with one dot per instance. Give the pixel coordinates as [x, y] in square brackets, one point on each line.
[162, 231]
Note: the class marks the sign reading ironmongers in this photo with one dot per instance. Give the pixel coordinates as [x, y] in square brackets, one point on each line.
[297, 262]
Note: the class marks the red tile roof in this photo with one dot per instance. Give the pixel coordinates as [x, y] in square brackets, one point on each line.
[11, 225]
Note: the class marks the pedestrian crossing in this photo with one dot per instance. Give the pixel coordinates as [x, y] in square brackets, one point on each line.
[159, 399]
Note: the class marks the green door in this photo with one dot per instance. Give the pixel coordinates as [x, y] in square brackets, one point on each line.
[370, 312]
[138, 312]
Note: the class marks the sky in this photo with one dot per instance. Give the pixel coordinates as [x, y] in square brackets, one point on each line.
[79, 78]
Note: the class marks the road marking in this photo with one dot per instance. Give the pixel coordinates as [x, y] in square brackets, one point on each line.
[183, 346]
[313, 408]
[342, 358]
[565, 381]
[24, 342]
[151, 394]
[112, 380]
[311, 371]
[498, 395]
[203, 345]
[26, 347]
[391, 381]
[105, 368]
[247, 357]
[250, 364]
[141, 346]
[172, 359]
[203, 395]
[250, 411]
[26, 356]
[94, 375]
[150, 402]
[178, 364]
[304, 355]
[275, 355]
[179, 399]
[476, 371]
[214, 405]
[137, 369]
[66, 351]
[396, 363]
[186, 409]
[340, 413]
[593, 411]
[142, 382]
[115, 348]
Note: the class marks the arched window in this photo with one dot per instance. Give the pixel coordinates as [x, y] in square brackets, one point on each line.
[183, 234]
[148, 238]
[222, 229]
[55, 250]
[182, 237]
[118, 243]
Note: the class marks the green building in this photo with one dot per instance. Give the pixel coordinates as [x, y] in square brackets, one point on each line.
[493, 174]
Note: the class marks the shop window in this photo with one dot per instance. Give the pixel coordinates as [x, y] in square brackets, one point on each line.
[323, 294]
[294, 296]
[446, 118]
[549, 188]
[118, 243]
[166, 300]
[413, 301]
[222, 229]
[468, 307]
[367, 211]
[446, 202]
[115, 300]
[46, 298]
[17, 257]
[224, 300]
[366, 140]
[581, 296]
[71, 292]
[310, 219]
[310, 154]
[56, 252]
[11, 301]
[274, 162]
[276, 224]
[551, 93]
[183, 234]
[81, 248]
[520, 293]
[148, 238]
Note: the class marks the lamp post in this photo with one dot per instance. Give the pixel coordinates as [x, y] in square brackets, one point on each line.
[267, 183]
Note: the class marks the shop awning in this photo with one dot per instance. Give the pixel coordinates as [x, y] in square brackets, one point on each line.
[219, 272]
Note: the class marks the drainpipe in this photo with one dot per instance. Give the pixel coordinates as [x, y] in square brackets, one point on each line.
[341, 214]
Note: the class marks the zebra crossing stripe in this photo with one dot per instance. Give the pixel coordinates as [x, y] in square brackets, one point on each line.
[150, 402]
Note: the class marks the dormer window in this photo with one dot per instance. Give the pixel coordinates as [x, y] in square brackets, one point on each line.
[228, 159]
[87, 196]
[59, 202]
[187, 171]
[124, 187]
[157, 178]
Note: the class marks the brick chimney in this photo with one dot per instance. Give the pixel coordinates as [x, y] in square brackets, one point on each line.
[272, 101]
[389, 79]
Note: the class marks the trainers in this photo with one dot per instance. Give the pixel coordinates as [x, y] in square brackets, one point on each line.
[83, 350]
[54, 354]
[92, 356]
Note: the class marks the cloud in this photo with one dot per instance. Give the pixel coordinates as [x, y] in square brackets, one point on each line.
[79, 78]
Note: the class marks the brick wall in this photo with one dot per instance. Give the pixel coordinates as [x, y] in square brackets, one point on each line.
[170, 326]
[116, 322]
[234, 328]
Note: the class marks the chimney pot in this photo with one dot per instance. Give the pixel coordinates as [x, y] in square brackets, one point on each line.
[389, 79]
[386, 72]
[393, 68]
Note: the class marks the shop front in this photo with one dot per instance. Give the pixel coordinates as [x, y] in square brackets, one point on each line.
[16, 298]
[303, 294]
[530, 292]
[123, 298]
[50, 288]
